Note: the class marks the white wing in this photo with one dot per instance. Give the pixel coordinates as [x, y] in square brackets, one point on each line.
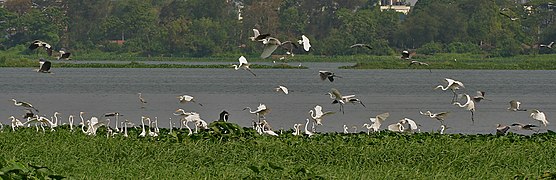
[306, 43]
[412, 124]
[256, 33]
[242, 61]
[268, 50]
[261, 107]
[318, 111]
[284, 89]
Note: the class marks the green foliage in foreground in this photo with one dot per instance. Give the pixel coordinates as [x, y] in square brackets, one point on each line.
[227, 151]
[18, 170]
[456, 61]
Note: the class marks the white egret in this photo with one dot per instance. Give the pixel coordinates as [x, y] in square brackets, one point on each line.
[267, 130]
[143, 132]
[297, 130]
[369, 127]
[116, 115]
[514, 106]
[337, 98]
[539, 116]
[441, 116]
[284, 89]
[270, 44]
[243, 64]
[396, 127]
[93, 128]
[419, 63]
[307, 132]
[70, 120]
[443, 128]
[360, 45]
[453, 85]
[187, 98]
[501, 129]
[327, 75]
[55, 120]
[261, 111]
[377, 121]
[549, 46]
[469, 105]
[141, 100]
[317, 115]
[171, 125]
[526, 126]
[24, 104]
[411, 123]
[345, 129]
[305, 42]
[15, 123]
[44, 66]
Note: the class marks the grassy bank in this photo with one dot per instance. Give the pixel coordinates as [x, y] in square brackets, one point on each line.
[217, 155]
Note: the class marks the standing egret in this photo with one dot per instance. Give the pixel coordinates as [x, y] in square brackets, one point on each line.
[443, 128]
[266, 129]
[396, 127]
[453, 85]
[284, 89]
[15, 123]
[539, 116]
[469, 105]
[307, 132]
[55, 123]
[305, 42]
[116, 115]
[270, 45]
[377, 121]
[70, 120]
[296, 129]
[24, 104]
[143, 132]
[141, 100]
[501, 129]
[171, 127]
[327, 75]
[44, 66]
[441, 116]
[187, 98]
[514, 106]
[224, 116]
[369, 127]
[243, 64]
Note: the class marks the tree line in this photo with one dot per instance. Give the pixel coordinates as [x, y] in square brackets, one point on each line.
[201, 28]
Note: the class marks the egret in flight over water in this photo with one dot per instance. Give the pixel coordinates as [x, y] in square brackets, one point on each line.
[243, 64]
[469, 105]
[453, 85]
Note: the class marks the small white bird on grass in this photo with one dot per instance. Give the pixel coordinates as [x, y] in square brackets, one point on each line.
[243, 64]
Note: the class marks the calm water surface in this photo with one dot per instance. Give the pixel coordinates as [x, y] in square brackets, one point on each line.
[403, 93]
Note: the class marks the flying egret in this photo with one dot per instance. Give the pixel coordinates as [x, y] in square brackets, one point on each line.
[187, 98]
[327, 75]
[341, 100]
[469, 105]
[377, 121]
[38, 43]
[508, 16]
[453, 85]
[549, 46]
[307, 132]
[257, 36]
[539, 116]
[243, 64]
[526, 126]
[288, 46]
[305, 42]
[24, 104]
[317, 115]
[480, 96]
[441, 116]
[224, 116]
[44, 66]
[270, 45]
[419, 63]
[360, 45]
[261, 111]
[64, 55]
[284, 89]
[501, 129]
[141, 100]
[514, 106]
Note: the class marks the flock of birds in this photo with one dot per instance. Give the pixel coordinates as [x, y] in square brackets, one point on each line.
[260, 124]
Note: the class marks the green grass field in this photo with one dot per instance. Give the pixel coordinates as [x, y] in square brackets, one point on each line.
[241, 153]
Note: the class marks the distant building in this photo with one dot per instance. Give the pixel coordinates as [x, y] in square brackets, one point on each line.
[396, 5]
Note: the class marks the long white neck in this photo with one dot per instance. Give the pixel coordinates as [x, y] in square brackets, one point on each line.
[312, 113]
[306, 124]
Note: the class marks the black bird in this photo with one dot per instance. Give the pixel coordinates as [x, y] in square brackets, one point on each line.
[361, 45]
[28, 114]
[289, 47]
[38, 43]
[224, 116]
[44, 66]
[64, 55]
[327, 74]
[405, 55]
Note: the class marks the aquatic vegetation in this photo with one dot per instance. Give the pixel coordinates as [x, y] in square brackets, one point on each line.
[229, 151]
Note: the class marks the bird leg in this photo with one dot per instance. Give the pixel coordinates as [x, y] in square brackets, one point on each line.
[472, 119]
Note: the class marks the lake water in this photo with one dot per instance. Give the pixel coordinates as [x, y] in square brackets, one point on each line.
[402, 93]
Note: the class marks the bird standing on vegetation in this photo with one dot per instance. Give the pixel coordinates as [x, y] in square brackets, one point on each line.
[405, 55]
[224, 116]
[243, 64]
[502, 129]
[377, 121]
